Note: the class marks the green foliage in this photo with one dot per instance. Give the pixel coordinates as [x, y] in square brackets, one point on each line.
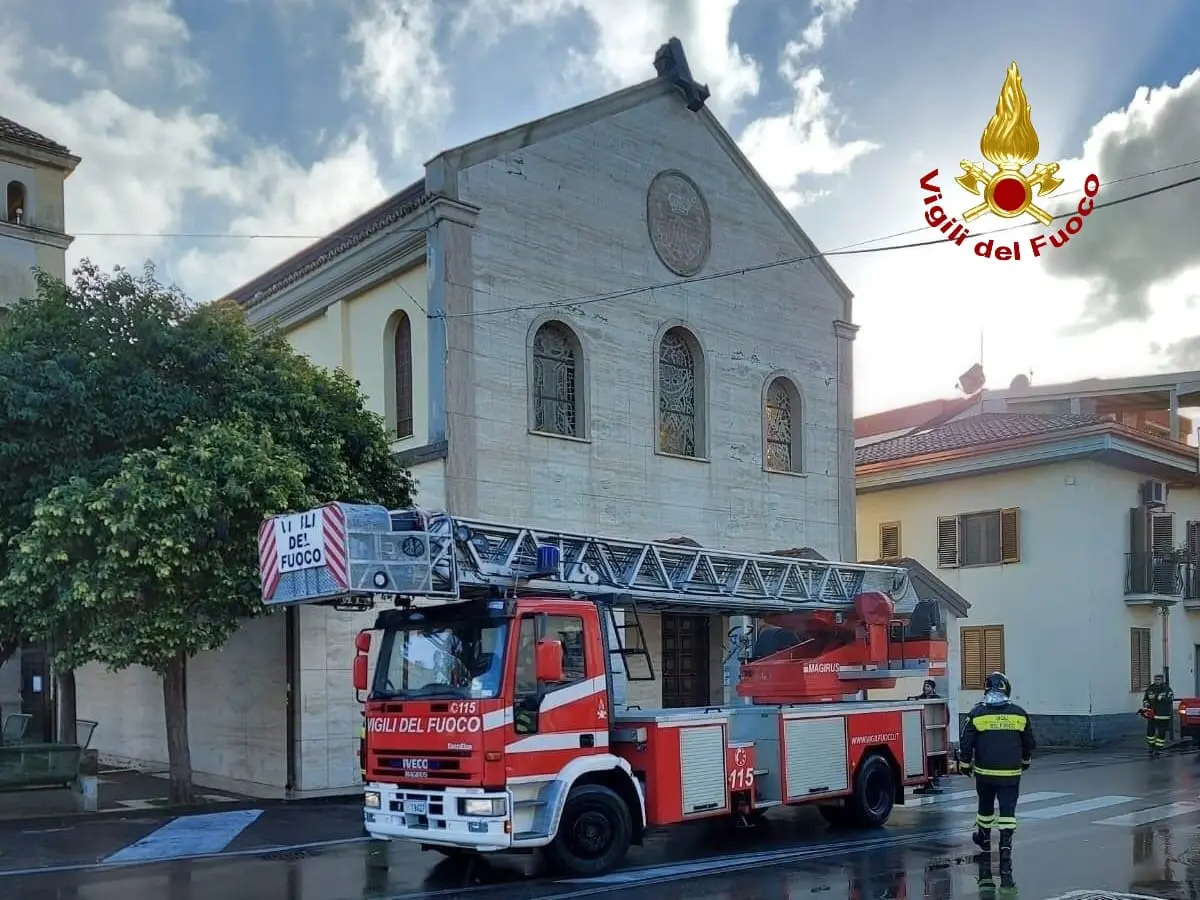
[141, 442]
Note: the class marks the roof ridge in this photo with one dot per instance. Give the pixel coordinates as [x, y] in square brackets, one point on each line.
[16, 133]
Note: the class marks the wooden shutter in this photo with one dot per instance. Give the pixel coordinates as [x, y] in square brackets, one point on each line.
[889, 540]
[1010, 535]
[970, 642]
[947, 542]
[1162, 532]
[1193, 541]
[993, 649]
[1139, 659]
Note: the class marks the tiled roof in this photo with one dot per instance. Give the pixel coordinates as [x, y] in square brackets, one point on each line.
[335, 244]
[918, 415]
[18, 134]
[976, 431]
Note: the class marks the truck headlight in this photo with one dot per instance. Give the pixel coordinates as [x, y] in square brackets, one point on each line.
[1183, 711]
[371, 799]
[471, 806]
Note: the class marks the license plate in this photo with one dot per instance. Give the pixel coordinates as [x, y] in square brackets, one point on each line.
[415, 807]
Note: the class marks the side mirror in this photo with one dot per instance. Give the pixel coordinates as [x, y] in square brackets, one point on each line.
[359, 672]
[548, 661]
[362, 642]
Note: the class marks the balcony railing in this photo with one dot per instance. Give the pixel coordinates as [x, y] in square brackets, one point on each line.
[1163, 574]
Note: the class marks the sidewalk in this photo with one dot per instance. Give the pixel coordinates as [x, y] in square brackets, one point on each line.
[120, 790]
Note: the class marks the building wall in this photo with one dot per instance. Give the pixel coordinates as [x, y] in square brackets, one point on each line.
[237, 711]
[566, 217]
[1063, 607]
[19, 255]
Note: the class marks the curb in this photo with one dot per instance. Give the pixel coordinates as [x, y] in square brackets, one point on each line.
[171, 812]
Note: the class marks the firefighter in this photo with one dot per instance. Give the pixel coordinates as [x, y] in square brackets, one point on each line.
[1158, 703]
[996, 746]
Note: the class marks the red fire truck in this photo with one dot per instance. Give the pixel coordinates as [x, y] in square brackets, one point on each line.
[498, 713]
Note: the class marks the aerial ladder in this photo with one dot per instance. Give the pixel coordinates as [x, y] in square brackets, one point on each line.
[826, 622]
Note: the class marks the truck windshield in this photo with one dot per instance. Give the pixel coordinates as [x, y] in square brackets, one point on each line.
[464, 660]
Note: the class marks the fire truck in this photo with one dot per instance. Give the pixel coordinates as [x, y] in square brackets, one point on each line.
[498, 713]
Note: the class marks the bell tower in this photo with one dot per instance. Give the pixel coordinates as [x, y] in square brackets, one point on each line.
[33, 171]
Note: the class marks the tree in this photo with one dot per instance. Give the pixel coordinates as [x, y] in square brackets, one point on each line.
[141, 442]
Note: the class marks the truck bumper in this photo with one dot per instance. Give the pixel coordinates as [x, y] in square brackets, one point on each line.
[451, 817]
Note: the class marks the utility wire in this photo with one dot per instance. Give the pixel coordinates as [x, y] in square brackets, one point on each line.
[850, 250]
[214, 235]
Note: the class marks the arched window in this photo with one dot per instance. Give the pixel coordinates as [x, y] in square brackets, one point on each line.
[680, 394]
[15, 203]
[783, 427]
[557, 406]
[402, 369]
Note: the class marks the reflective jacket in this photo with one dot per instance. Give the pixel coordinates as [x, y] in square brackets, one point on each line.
[996, 742]
[1159, 700]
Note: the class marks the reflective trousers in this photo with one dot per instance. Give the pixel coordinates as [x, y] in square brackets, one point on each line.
[994, 794]
[1156, 732]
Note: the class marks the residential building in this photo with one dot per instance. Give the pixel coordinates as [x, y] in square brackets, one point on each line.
[1070, 516]
[542, 322]
[33, 169]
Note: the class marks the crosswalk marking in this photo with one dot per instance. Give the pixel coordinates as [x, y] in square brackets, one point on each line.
[1153, 814]
[929, 799]
[1070, 809]
[1036, 797]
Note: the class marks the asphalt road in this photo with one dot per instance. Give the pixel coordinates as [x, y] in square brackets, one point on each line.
[1108, 825]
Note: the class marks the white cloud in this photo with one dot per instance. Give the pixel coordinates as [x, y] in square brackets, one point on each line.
[627, 34]
[146, 36]
[1123, 253]
[271, 194]
[828, 14]
[802, 141]
[399, 70]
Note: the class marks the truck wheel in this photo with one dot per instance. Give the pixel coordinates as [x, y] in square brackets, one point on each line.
[874, 793]
[594, 832]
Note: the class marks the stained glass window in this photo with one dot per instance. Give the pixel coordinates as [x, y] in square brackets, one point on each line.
[677, 394]
[779, 423]
[555, 401]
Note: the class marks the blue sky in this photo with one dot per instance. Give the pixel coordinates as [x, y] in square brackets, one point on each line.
[203, 118]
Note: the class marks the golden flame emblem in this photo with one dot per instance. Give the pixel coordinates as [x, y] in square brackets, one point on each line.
[1009, 143]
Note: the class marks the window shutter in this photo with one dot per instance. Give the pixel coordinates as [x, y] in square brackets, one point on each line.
[889, 540]
[947, 542]
[993, 649]
[1193, 540]
[1162, 532]
[1139, 659]
[1010, 535]
[971, 656]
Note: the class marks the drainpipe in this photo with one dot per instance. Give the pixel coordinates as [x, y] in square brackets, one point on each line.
[1165, 612]
[1174, 413]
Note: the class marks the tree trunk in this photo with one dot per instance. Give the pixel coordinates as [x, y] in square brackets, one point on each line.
[68, 710]
[176, 709]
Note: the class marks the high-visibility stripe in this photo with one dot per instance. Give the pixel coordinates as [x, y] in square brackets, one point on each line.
[1000, 722]
[998, 773]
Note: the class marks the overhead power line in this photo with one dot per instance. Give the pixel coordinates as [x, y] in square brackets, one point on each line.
[850, 250]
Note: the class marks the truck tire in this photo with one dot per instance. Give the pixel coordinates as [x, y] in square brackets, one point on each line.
[594, 833]
[874, 795]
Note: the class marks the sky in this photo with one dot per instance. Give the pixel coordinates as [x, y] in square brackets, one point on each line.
[220, 136]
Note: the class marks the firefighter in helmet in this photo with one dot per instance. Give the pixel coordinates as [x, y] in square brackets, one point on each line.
[996, 746]
[1157, 706]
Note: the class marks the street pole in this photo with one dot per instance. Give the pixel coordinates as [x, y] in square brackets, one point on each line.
[1165, 612]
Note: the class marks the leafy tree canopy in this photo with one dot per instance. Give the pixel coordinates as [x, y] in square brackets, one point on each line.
[142, 439]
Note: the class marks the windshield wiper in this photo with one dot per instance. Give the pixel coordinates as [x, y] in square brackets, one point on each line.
[436, 690]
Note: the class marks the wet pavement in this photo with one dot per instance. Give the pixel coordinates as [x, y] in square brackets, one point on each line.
[1114, 825]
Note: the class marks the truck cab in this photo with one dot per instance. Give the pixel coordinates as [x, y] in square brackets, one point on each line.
[472, 709]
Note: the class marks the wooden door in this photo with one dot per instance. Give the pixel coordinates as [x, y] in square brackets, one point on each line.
[685, 661]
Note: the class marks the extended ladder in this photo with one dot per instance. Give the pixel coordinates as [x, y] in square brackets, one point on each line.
[411, 552]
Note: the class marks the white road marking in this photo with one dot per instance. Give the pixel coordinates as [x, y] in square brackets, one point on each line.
[1153, 814]
[930, 799]
[1036, 797]
[1070, 809]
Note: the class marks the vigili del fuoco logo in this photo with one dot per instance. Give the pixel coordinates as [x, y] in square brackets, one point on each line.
[1007, 191]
